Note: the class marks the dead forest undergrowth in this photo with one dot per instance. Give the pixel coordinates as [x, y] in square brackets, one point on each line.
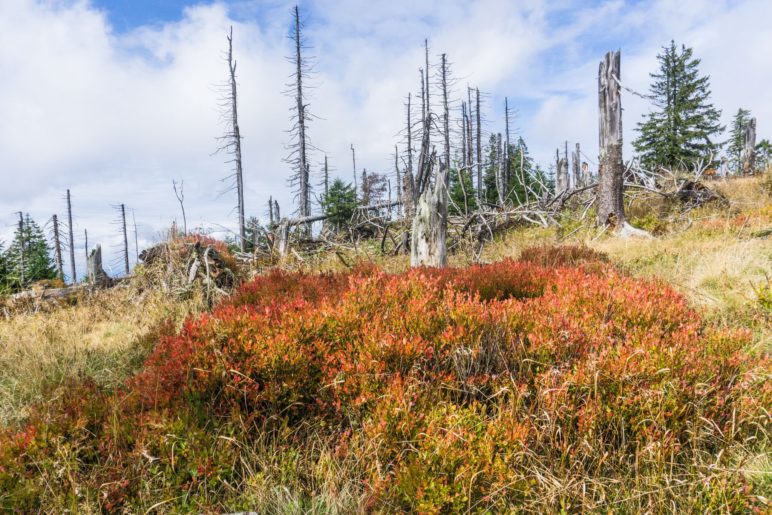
[593, 373]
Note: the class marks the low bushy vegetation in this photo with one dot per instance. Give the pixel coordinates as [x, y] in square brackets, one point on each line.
[483, 388]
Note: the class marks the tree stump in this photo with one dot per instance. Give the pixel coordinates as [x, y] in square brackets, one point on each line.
[430, 225]
[96, 274]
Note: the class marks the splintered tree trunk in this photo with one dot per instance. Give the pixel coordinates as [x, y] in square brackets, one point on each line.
[749, 152]
[282, 237]
[611, 167]
[96, 274]
[430, 225]
[576, 168]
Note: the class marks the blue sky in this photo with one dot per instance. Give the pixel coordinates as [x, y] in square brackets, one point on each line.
[121, 96]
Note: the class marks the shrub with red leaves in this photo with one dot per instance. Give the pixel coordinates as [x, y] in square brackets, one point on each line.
[454, 386]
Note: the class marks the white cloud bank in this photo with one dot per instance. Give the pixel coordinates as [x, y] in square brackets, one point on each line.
[116, 116]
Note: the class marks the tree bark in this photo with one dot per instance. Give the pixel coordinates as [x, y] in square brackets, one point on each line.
[96, 274]
[72, 239]
[58, 249]
[611, 168]
[749, 152]
[577, 168]
[430, 225]
[236, 139]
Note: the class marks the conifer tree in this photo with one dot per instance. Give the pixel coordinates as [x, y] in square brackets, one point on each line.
[339, 204]
[29, 256]
[737, 139]
[684, 125]
[3, 269]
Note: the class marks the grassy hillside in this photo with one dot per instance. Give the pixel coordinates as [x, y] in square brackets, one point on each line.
[632, 377]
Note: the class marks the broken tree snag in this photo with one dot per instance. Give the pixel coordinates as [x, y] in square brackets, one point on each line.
[96, 274]
[282, 237]
[561, 174]
[749, 152]
[430, 224]
[611, 167]
[576, 167]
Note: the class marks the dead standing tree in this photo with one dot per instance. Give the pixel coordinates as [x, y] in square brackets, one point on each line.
[298, 157]
[231, 140]
[749, 152]
[57, 248]
[73, 278]
[430, 225]
[180, 194]
[611, 168]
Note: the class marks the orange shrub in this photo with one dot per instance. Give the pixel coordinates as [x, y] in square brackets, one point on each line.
[451, 384]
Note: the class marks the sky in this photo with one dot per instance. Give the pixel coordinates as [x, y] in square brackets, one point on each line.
[114, 99]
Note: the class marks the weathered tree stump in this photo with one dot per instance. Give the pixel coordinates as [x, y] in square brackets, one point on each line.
[430, 225]
[96, 274]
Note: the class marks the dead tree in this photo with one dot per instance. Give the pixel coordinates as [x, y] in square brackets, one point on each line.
[299, 154]
[233, 142]
[399, 181]
[749, 152]
[125, 239]
[427, 125]
[180, 194]
[326, 172]
[479, 149]
[354, 163]
[445, 108]
[506, 178]
[611, 168]
[85, 244]
[270, 211]
[96, 274]
[430, 225]
[72, 239]
[500, 185]
[576, 168]
[136, 236]
[58, 249]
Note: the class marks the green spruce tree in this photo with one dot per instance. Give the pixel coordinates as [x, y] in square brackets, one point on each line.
[763, 154]
[737, 139]
[684, 125]
[4, 281]
[491, 194]
[29, 257]
[339, 204]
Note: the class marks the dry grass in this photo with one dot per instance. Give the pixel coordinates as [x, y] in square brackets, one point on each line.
[103, 336]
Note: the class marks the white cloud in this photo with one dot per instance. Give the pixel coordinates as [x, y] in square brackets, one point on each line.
[115, 116]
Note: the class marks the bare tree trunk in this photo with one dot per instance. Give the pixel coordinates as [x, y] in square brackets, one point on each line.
[506, 177]
[326, 177]
[445, 109]
[236, 141]
[304, 195]
[282, 233]
[125, 239]
[354, 162]
[136, 236]
[85, 244]
[428, 246]
[427, 126]
[72, 239]
[749, 152]
[399, 182]
[58, 249]
[277, 215]
[611, 168]
[96, 274]
[270, 211]
[500, 187]
[479, 150]
[181, 199]
[576, 167]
